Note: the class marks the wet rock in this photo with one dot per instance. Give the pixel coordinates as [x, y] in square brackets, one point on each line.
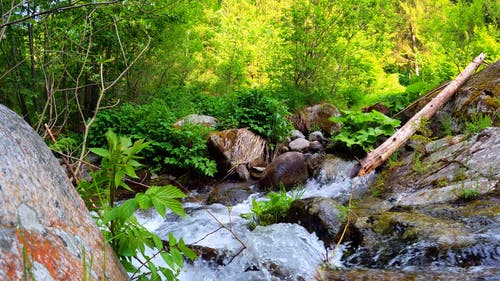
[213, 256]
[288, 169]
[432, 236]
[229, 193]
[320, 215]
[447, 168]
[196, 119]
[407, 274]
[333, 168]
[43, 216]
[231, 148]
[419, 227]
[315, 146]
[317, 117]
[299, 144]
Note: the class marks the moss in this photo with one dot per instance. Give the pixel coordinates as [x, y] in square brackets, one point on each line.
[441, 182]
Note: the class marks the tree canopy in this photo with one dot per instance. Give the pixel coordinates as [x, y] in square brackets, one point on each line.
[62, 59]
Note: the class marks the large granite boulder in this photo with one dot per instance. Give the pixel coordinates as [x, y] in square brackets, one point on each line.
[46, 232]
[479, 96]
[237, 151]
[445, 169]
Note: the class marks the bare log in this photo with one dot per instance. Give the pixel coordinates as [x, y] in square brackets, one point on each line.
[381, 153]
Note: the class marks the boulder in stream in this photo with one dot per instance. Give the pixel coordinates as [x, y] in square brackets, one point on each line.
[288, 169]
[229, 193]
[320, 215]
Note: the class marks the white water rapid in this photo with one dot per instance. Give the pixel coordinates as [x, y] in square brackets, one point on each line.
[275, 252]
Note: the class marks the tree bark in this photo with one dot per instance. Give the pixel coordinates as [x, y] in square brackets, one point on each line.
[381, 153]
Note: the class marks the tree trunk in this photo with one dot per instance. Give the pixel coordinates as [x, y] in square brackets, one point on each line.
[381, 153]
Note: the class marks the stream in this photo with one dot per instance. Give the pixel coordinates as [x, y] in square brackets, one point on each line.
[289, 252]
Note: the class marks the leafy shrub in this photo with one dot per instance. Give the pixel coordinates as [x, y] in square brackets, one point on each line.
[363, 129]
[180, 149]
[259, 112]
[273, 210]
[121, 229]
[68, 145]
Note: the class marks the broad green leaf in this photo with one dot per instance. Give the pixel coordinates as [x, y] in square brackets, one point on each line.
[143, 200]
[154, 271]
[174, 205]
[167, 273]
[130, 171]
[104, 153]
[166, 192]
[171, 240]
[159, 206]
[129, 267]
[177, 257]
[157, 242]
[186, 250]
[168, 259]
[123, 211]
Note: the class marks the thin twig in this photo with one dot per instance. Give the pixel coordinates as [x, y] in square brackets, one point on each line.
[66, 162]
[56, 11]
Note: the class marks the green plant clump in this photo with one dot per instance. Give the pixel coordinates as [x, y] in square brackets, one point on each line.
[121, 229]
[258, 111]
[179, 149]
[273, 210]
[363, 129]
[478, 122]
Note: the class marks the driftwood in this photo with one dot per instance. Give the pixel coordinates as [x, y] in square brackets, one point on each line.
[381, 153]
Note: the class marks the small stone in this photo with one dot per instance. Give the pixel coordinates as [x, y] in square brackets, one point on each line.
[316, 136]
[315, 146]
[299, 145]
[296, 134]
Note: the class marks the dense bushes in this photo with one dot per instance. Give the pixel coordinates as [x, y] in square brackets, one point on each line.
[175, 148]
[259, 112]
[182, 149]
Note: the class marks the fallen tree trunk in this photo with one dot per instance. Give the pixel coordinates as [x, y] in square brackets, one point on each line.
[381, 153]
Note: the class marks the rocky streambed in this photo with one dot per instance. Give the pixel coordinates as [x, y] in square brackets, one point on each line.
[430, 213]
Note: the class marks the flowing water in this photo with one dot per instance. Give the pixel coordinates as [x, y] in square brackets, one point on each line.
[289, 252]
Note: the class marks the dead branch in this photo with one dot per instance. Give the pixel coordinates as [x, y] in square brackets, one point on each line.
[381, 153]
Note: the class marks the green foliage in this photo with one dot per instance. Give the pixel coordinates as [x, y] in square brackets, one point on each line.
[258, 111]
[469, 193]
[478, 122]
[363, 129]
[346, 212]
[273, 210]
[121, 229]
[179, 149]
[68, 145]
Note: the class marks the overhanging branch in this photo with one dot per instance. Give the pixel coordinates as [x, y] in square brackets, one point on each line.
[56, 11]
